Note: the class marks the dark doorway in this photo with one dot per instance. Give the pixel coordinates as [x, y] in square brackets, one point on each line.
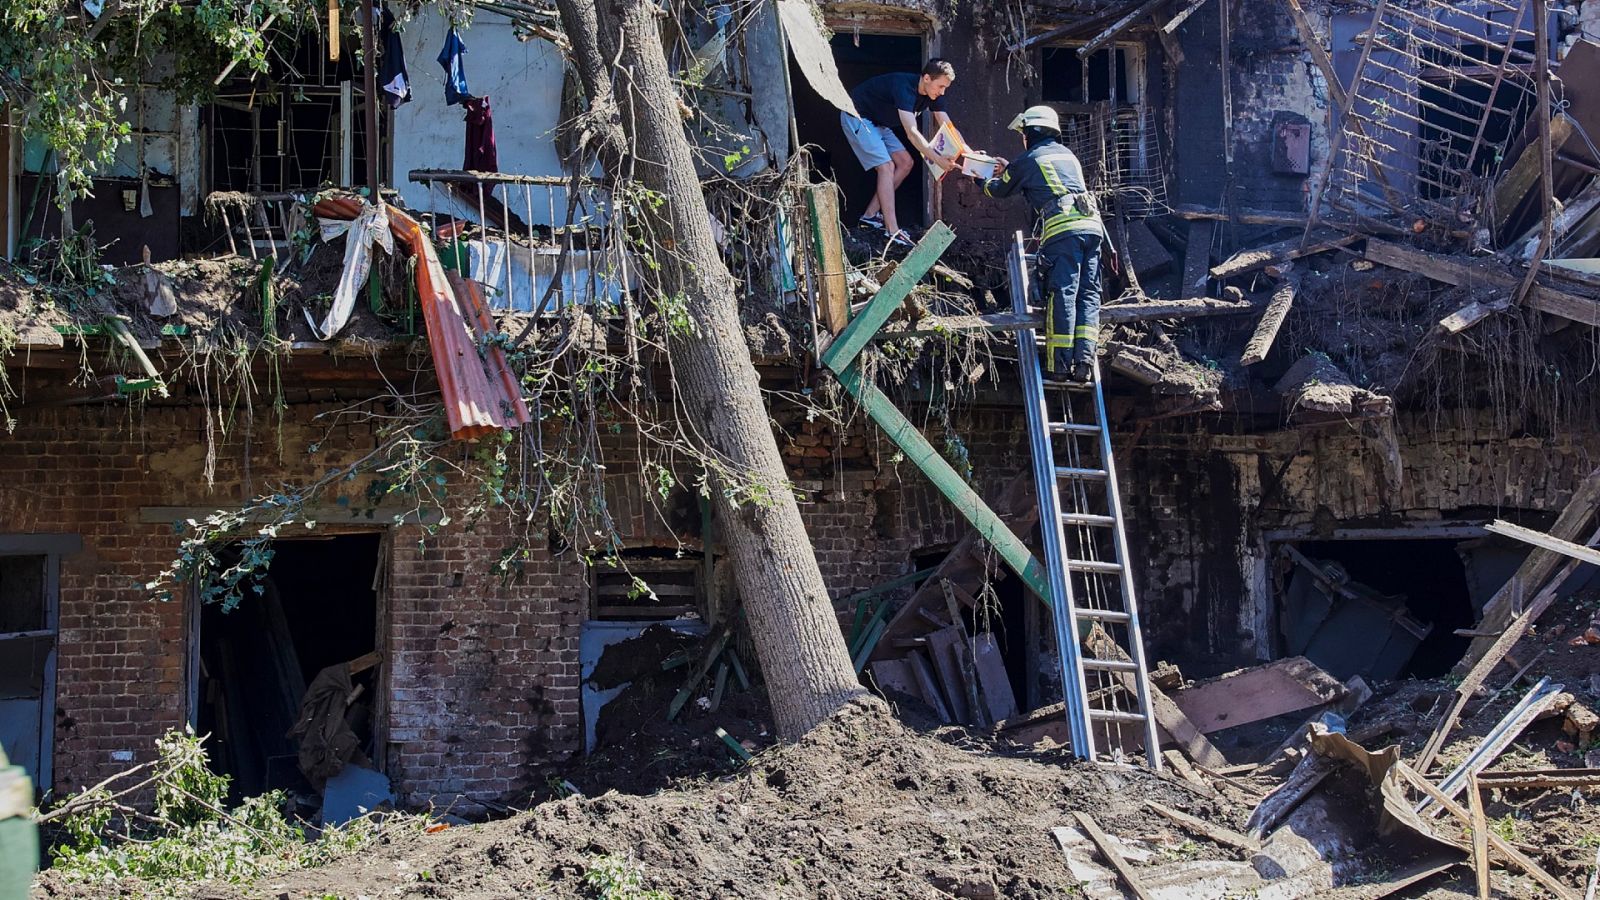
[1392, 609]
[1008, 623]
[318, 608]
[859, 57]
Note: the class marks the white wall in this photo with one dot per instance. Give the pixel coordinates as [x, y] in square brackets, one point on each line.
[523, 83]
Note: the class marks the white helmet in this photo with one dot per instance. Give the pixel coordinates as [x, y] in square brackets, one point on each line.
[1037, 116]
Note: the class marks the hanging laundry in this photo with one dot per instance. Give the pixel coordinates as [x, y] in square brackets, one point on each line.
[481, 154]
[455, 72]
[392, 77]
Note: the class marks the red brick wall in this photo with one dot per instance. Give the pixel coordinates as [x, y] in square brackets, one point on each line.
[482, 675]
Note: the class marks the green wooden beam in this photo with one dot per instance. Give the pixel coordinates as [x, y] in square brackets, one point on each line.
[909, 439]
[848, 345]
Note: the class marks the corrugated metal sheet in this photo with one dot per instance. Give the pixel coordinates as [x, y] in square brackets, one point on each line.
[481, 394]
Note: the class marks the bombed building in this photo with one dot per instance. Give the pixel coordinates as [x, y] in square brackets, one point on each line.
[399, 489]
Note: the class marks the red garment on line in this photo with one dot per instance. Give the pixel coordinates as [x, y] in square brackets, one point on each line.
[481, 154]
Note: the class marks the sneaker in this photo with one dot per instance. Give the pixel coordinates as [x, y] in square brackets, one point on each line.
[873, 221]
[901, 239]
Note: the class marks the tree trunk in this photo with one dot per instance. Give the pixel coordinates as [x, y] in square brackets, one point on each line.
[797, 636]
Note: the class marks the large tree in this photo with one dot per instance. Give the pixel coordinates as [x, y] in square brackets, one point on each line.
[618, 52]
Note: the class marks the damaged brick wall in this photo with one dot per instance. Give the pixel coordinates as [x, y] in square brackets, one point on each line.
[1273, 80]
[1200, 505]
[483, 676]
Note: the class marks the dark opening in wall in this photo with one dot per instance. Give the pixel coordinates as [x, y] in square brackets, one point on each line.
[1379, 608]
[1005, 616]
[861, 56]
[1067, 78]
[318, 608]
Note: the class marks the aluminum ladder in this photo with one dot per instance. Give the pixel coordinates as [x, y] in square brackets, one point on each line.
[1105, 682]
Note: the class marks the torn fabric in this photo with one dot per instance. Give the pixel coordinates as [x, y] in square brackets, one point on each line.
[371, 225]
[812, 52]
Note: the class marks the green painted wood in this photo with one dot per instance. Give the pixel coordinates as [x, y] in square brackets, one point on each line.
[922, 454]
[859, 332]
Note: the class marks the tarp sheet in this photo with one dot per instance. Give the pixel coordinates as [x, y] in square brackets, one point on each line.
[812, 52]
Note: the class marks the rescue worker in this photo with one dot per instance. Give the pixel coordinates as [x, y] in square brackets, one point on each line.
[1070, 234]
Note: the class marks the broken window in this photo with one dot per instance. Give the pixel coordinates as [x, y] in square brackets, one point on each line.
[1107, 122]
[295, 127]
[651, 584]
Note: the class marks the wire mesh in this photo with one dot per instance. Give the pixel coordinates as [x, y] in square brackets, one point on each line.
[1121, 155]
[1440, 92]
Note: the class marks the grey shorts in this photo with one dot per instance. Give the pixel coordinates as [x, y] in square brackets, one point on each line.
[872, 143]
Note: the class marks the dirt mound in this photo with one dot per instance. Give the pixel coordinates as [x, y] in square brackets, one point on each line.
[861, 807]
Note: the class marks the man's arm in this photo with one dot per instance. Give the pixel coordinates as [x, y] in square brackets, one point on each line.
[908, 120]
[1002, 185]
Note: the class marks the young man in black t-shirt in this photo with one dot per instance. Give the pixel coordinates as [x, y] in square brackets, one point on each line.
[885, 102]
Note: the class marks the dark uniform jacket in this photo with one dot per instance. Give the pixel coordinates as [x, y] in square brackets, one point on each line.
[1051, 178]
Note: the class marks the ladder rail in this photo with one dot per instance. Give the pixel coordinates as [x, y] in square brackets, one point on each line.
[1130, 602]
[1074, 687]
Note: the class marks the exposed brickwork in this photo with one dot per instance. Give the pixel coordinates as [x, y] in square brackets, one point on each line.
[1200, 505]
[484, 676]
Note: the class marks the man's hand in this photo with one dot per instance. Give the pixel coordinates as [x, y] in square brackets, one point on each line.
[943, 163]
[1000, 164]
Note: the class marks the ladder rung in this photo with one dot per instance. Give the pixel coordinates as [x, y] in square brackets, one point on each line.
[1116, 715]
[1088, 519]
[1110, 665]
[1083, 386]
[1074, 472]
[1094, 565]
[1073, 428]
[1104, 615]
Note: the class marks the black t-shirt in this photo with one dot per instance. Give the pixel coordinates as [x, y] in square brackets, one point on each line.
[880, 99]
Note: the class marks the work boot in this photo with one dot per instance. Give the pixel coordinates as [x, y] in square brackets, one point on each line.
[1082, 373]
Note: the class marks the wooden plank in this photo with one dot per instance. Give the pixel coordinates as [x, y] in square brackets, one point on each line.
[1180, 765]
[1544, 541]
[1498, 843]
[930, 690]
[1267, 329]
[942, 647]
[1319, 54]
[922, 454]
[1197, 256]
[1166, 713]
[1480, 837]
[1109, 851]
[895, 675]
[943, 326]
[833, 291]
[855, 337]
[1192, 308]
[1523, 174]
[964, 661]
[1480, 670]
[998, 697]
[1535, 570]
[1471, 314]
[1539, 779]
[1475, 274]
[1251, 695]
[1119, 26]
[1280, 252]
[1227, 837]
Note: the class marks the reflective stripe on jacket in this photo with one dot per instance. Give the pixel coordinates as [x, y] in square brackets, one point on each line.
[1051, 179]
